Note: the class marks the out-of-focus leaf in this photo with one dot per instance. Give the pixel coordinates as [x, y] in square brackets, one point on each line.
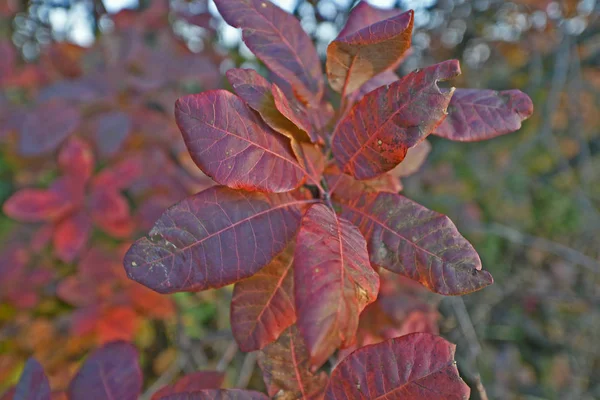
[423, 245]
[256, 92]
[111, 372]
[286, 368]
[71, 235]
[218, 394]
[333, 281]
[36, 205]
[364, 15]
[374, 136]
[475, 114]
[76, 160]
[212, 239]
[263, 305]
[33, 384]
[357, 57]
[415, 366]
[191, 383]
[110, 212]
[415, 157]
[277, 38]
[111, 131]
[232, 145]
[46, 127]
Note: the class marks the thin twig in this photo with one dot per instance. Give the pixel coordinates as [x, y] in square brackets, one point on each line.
[229, 354]
[165, 378]
[246, 371]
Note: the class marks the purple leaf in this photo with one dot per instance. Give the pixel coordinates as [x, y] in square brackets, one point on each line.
[277, 38]
[218, 394]
[475, 114]
[232, 145]
[364, 15]
[111, 372]
[33, 384]
[212, 239]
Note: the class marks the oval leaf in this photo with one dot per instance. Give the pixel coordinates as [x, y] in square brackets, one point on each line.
[256, 92]
[354, 59]
[33, 384]
[112, 130]
[71, 235]
[286, 368]
[218, 394]
[475, 114]
[213, 238]
[111, 372]
[333, 281]
[278, 40]
[415, 366]
[364, 15]
[36, 205]
[407, 238]
[232, 145]
[263, 305]
[46, 127]
[375, 134]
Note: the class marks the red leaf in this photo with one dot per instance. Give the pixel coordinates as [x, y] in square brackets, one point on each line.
[121, 175]
[111, 372]
[110, 211]
[46, 127]
[286, 368]
[385, 78]
[375, 134]
[36, 205]
[76, 160]
[192, 382]
[407, 238]
[186, 249]
[218, 394]
[111, 131]
[293, 110]
[71, 235]
[233, 146]
[263, 305]
[475, 114]
[364, 15]
[357, 57]
[333, 281]
[278, 40]
[33, 384]
[415, 366]
[256, 92]
[415, 157]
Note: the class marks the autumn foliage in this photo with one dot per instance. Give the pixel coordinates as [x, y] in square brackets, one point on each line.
[305, 217]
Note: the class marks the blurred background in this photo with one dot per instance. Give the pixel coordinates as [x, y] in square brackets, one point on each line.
[99, 78]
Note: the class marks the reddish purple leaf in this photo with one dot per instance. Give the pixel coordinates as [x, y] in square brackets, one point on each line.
[36, 205]
[256, 92]
[293, 110]
[193, 382]
[286, 368]
[348, 187]
[71, 235]
[375, 134]
[277, 38]
[33, 384]
[364, 15]
[111, 372]
[416, 366]
[423, 245]
[333, 281]
[232, 145]
[263, 305]
[214, 238]
[46, 127]
[354, 59]
[76, 159]
[8, 56]
[112, 130]
[218, 394]
[475, 114]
